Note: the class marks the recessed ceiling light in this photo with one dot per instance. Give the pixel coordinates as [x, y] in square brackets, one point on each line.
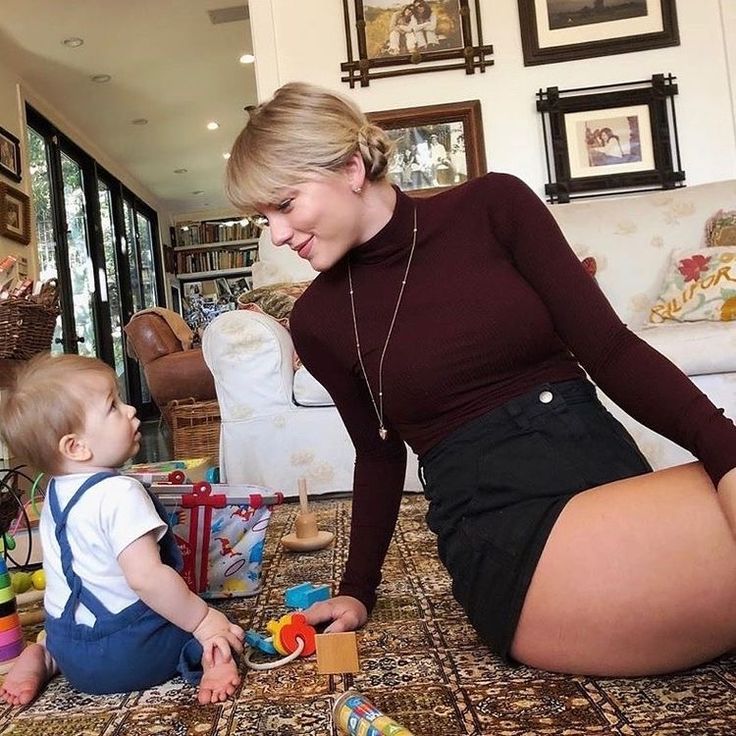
[226, 156]
[139, 121]
[213, 125]
[198, 191]
[180, 171]
[73, 42]
[101, 78]
[247, 59]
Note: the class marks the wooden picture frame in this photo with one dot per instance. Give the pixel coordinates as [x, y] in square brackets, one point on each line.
[15, 214]
[554, 30]
[436, 35]
[437, 146]
[10, 155]
[613, 139]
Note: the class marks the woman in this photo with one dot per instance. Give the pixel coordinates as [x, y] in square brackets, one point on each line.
[403, 24]
[565, 550]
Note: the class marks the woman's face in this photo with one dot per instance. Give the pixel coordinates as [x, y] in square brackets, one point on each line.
[317, 219]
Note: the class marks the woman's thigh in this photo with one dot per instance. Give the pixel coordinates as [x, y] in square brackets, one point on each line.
[637, 577]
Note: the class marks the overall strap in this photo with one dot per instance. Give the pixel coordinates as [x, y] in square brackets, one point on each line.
[78, 592]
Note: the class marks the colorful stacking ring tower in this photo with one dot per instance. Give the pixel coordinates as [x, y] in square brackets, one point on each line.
[11, 633]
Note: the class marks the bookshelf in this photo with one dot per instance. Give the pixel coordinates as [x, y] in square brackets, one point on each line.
[212, 261]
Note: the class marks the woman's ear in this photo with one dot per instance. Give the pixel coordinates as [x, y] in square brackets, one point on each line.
[355, 171]
[73, 447]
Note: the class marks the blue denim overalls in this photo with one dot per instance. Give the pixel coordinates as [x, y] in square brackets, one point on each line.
[130, 650]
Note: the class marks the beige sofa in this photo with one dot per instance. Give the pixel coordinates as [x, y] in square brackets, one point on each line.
[279, 425]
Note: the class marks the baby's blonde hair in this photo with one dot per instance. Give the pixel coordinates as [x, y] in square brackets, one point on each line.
[45, 402]
[302, 132]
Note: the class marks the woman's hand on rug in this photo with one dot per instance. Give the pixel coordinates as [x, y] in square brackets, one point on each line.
[345, 612]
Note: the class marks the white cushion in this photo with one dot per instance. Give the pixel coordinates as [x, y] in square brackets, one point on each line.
[696, 348]
[308, 391]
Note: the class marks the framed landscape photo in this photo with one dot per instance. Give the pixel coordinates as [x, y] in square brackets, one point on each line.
[602, 140]
[9, 155]
[563, 30]
[395, 37]
[15, 214]
[437, 146]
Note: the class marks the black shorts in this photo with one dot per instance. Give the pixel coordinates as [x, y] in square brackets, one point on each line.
[497, 485]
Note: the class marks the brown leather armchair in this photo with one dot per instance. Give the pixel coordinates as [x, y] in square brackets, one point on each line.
[171, 371]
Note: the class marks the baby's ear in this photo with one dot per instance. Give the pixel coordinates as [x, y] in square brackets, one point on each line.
[73, 447]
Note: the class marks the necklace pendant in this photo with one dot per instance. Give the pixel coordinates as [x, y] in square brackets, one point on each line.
[382, 433]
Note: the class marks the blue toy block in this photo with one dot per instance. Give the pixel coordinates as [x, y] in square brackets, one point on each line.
[304, 594]
[258, 641]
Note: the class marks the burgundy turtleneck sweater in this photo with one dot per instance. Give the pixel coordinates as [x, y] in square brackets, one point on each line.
[495, 303]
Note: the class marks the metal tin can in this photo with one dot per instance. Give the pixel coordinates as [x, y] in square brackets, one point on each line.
[357, 716]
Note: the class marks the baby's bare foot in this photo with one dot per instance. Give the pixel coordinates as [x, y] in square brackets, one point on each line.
[219, 681]
[31, 671]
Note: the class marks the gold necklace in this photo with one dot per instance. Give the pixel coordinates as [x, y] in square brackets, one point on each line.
[378, 406]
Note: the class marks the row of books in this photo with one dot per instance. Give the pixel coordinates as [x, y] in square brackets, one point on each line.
[214, 260]
[202, 233]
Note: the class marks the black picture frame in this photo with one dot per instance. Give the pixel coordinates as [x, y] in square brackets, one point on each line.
[614, 139]
[15, 214]
[10, 164]
[458, 128]
[451, 44]
[594, 30]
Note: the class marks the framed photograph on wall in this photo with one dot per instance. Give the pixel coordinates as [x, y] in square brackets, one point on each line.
[563, 30]
[15, 214]
[437, 146]
[395, 37]
[613, 139]
[9, 155]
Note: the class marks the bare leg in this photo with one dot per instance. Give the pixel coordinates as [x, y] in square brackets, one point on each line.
[219, 679]
[638, 577]
[31, 671]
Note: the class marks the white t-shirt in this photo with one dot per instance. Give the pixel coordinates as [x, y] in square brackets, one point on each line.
[108, 517]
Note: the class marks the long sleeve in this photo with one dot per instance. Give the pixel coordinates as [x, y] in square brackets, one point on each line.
[640, 380]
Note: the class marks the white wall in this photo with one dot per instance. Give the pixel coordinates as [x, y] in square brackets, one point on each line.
[12, 120]
[306, 41]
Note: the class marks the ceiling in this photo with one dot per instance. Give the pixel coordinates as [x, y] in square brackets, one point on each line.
[168, 63]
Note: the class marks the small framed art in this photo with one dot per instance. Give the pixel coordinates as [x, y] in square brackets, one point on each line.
[9, 155]
[437, 146]
[613, 139]
[395, 37]
[563, 30]
[15, 214]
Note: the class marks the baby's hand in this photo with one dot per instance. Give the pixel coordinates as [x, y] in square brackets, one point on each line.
[217, 645]
[216, 630]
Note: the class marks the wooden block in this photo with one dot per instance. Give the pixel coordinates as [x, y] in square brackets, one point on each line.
[337, 653]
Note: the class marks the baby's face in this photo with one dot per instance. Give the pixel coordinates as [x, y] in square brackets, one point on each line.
[111, 426]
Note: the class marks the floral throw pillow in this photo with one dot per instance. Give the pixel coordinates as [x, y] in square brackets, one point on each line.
[700, 285]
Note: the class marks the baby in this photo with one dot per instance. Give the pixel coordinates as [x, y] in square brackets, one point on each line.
[119, 616]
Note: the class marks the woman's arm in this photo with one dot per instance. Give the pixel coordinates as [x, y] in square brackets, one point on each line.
[640, 380]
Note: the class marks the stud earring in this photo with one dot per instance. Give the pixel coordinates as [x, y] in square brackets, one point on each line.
[357, 190]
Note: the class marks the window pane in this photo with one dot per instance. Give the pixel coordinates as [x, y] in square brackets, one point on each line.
[80, 263]
[148, 275]
[41, 196]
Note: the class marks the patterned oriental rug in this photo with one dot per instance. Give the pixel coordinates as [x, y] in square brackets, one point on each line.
[420, 662]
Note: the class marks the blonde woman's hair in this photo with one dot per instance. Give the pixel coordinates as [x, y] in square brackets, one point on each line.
[302, 132]
[46, 401]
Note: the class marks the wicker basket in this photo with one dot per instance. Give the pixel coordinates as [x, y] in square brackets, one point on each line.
[27, 325]
[195, 428]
